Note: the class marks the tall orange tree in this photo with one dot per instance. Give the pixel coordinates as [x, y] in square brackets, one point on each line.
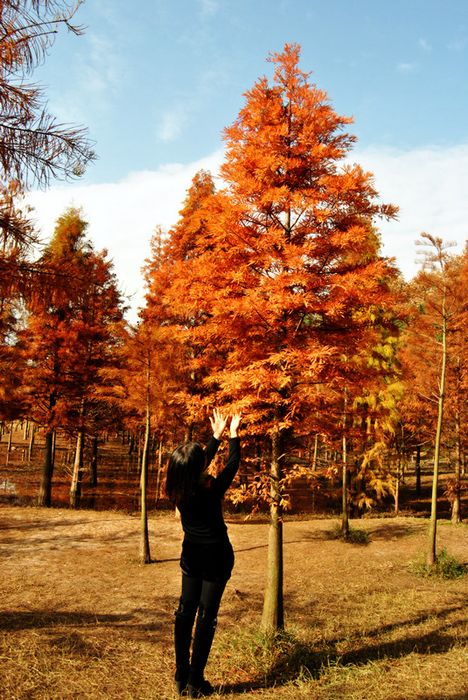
[434, 364]
[97, 332]
[17, 239]
[69, 338]
[287, 275]
[167, 273]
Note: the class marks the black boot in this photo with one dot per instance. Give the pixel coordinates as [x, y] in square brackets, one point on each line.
[200, 691]
[184, 619]
[205, 629]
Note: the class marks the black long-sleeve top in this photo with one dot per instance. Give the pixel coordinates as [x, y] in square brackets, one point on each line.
[202, 514]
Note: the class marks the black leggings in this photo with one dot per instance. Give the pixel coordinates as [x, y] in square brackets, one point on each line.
[206, 568]
[202, 595]
[205, 571]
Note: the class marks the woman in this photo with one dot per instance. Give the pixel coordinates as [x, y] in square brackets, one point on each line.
[207, 555]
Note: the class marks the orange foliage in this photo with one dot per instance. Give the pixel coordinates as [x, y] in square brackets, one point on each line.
[72, 329]
[274, 286]
[420, 353]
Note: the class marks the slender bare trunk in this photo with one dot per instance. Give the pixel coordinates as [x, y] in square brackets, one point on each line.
[396, 508]
[344, 474]
[432, 539]
[44, 498]
[54, 443]
[159, 471]
[456, 504]
[314, 458]
[32, 433]
[145, 554]
[93, 480]
[77, 476]
[418, 470]
[9, 445]
[273, 609]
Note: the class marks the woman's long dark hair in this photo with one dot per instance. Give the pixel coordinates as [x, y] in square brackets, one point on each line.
[186, 464]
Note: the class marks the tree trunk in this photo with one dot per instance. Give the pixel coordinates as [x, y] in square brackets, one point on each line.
[418, 470]
[45, 490]
[314, 466]
[145, 554]
[314, 458]
[344, 475]
[432, 539]
[54, 443]
[10, 440]
[93, 480]
[138, 450]
[32, 433]
[77, 476]
[456, 505]
[396, 508]
[159, 472]
[344, 495]
[273, 610]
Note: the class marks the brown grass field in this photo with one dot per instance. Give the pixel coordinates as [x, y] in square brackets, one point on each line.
[81, 618]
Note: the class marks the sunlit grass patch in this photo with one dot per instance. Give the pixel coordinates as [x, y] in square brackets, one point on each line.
[292, 666]
[446, 566]
[354, 536]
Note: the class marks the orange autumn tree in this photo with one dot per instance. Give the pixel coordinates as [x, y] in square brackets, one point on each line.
[68, 341]
[150, 376]
[140, 386]
[287, 274]
[97, 336]
[17, 239]
[170, 266]
[434, 362]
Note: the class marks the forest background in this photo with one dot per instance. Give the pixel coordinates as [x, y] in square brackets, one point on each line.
[270, 295]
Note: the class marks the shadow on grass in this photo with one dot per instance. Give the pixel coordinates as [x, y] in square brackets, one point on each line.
[139, 622]
[295, 659]
[386, 530]
[392, 531]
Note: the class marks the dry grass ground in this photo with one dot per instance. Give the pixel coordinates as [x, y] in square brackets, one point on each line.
[80, 618]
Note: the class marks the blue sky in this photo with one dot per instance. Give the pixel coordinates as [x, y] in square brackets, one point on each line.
[157, 81]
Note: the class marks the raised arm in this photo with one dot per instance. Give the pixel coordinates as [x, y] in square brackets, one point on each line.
[218, 424]
[224, 479]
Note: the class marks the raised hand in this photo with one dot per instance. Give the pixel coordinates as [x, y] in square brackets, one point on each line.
[218, 423]
[235, 421]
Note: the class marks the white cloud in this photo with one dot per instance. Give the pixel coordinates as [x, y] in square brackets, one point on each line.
[407, 67]
[457, 44]
[424, 44]
[171, 124]
[102, 69]
[209, 7]
[429, 185]
[123, 215]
